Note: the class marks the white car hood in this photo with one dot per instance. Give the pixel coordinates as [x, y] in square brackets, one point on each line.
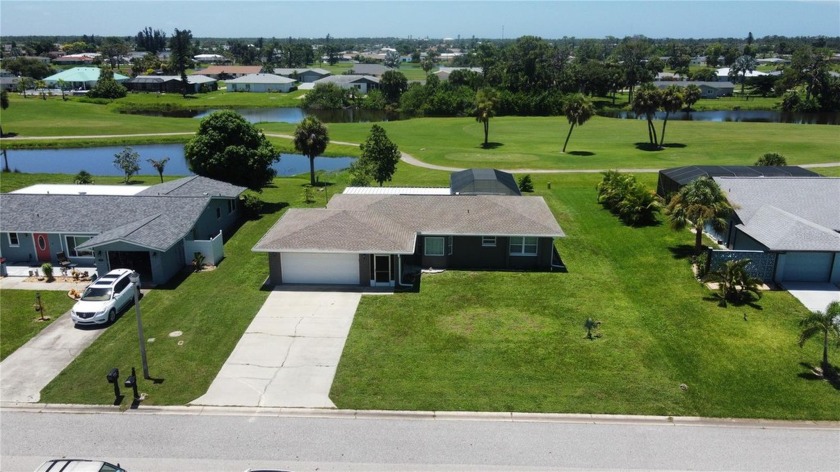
[90, 307]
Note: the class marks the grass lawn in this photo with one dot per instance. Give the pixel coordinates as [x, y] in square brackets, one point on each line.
[505, 341]
[20, 321]
[601, 143]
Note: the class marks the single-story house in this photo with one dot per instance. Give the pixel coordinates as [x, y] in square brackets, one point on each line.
[364, 83]
[303, 75]
[155, 231]
[375, 70]
[723, 74]
[222, 72]
[80, 77]
[8, 81]
[260, 83]
[793, 220]
[85, 58]
[171, 83]
[374, 236]
[673, 179]
[707, 89]
[212, 58]
[443, 73]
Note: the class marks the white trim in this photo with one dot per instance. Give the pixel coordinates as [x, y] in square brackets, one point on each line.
[75, 252]
[521, 242]
[488, 241]
[17, 237]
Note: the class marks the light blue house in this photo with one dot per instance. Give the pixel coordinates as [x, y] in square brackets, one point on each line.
[155, 232]
[80, 77]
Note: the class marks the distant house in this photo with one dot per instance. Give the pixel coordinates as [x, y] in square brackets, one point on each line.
[8, 81]
[303, 75]
[707, 89]
[260, 83]
[375, 70]
[443, 73]
[723, 74]
[224, 72]
[80, 77]
[86, 58]
[210, 58]
[364, 83]
[155, 231]
[171, 84]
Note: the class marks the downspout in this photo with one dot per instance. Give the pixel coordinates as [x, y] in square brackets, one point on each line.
[400, 272]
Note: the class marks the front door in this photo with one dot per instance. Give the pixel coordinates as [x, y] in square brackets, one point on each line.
[382, 270]
[42, 247]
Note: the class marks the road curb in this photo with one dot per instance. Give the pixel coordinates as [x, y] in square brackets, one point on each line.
[513, 417]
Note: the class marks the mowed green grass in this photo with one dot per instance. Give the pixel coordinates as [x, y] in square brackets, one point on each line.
[20, 322]
[507, 341]
[601, 143]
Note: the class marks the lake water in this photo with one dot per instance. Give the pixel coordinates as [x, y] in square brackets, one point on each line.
[750, 116]
[100, 160]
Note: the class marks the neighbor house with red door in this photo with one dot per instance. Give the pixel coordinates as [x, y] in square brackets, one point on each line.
[153, 230]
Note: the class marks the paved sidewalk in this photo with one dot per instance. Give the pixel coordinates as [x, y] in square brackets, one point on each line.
[289, 354]
[29, 369]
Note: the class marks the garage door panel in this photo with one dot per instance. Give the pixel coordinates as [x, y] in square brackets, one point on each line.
[319, 268]
[807, 266]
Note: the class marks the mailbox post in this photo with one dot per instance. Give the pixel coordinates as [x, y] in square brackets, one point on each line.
[131, 381]
[114, 378]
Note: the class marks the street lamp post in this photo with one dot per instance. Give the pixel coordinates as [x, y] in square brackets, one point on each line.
[134, 277]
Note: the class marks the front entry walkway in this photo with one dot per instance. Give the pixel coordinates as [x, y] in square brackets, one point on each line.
[289, 354]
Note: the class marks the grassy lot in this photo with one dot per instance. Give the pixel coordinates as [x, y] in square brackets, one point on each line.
[535, 142]
[20, 321]
[515, 341]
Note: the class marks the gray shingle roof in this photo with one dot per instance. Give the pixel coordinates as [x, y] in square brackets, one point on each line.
[261, 79]
[155, 222]
[779, 230]
[390, 223]
[195, 186]
[347, 79]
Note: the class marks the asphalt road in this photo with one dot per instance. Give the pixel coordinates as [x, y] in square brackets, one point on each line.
[235, 440]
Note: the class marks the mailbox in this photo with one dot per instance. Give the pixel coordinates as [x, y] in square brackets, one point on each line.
[113, 376]
[131, 382]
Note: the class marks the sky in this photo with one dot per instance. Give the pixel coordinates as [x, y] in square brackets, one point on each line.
[549, 19]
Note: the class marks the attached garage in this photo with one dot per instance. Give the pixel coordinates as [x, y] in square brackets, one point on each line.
[805, 267]
[319, 268]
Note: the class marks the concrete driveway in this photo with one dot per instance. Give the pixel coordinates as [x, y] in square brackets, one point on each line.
[289, 354]
[30, 368]
[815, 296]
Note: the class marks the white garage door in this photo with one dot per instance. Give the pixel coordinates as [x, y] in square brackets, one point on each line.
[807, 267]
[318, 268]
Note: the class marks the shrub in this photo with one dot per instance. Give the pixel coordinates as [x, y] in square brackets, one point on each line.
[83, 178]
[634, 204]
[525, 183]
[251, 205]
[771, 159]
[47, 269]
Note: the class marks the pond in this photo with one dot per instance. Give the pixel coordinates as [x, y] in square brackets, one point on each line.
[287, 115]
[100, 160]
[752, 116]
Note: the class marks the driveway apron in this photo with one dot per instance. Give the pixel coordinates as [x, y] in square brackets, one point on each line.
[25, 372]
[289, 354]
[814, 295]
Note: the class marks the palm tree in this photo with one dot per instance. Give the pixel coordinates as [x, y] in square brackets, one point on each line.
[311, 139]
[159, 165]
[742, 66]
[698, 204]
[735, 283]
[671, 101]
[485, 104]
[825, 324]
[578, 110]
[771, 159]
[646, 102]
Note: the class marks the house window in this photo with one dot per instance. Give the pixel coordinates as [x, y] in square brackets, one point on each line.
[231, 205]
[14, 241]
[73, 241]
[488, 241]
[523, 246]
[434, 246]
[218, 213]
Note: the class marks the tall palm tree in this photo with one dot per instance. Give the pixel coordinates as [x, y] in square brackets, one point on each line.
[311, 139]
[742, 66]
[825, 324]
[159, 165]
[671, 101]
[485, 108]
[646, 102]
[699, 203]
[578, 110]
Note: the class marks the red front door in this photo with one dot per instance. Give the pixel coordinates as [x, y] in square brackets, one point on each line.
[42, 247]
